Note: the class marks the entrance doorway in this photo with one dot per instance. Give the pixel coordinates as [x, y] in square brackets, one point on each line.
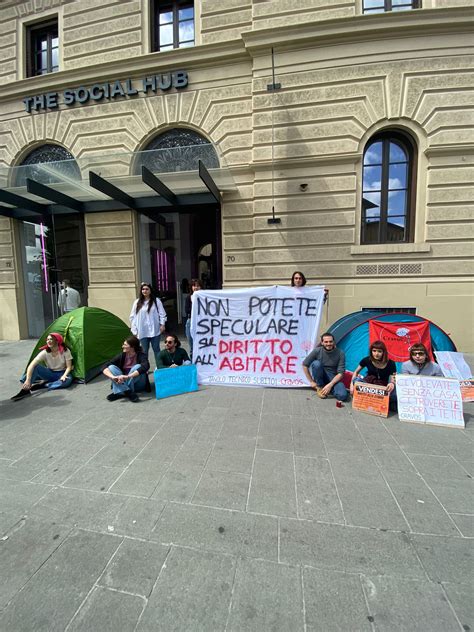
[175, 248]
[51, 252]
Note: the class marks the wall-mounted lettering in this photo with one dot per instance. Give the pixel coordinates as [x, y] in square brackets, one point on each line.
[108, 90]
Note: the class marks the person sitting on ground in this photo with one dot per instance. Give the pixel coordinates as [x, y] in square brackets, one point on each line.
[420, 363]
[128, 371]
[380, 370]
[57, 372]
[298, 279]
[173, 354]
[324, 367]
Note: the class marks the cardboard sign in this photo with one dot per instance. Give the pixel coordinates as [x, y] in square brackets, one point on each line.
[175, 380]
[255, 336]
[467, 390]
[452, 364]
[429, 400]
[371, 399]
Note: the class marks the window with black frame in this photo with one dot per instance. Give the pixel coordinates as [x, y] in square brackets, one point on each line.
[173, 24]
[388, 189]
[42, 48]
[383, 6]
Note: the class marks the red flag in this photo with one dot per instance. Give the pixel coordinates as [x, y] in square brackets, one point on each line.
[399, 337]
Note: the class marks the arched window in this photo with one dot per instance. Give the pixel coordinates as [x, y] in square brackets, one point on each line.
[177, 149]
[388, 189]
[381, 6]
[64, 165]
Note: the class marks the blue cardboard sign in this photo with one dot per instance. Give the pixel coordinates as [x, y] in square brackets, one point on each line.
[175, 381]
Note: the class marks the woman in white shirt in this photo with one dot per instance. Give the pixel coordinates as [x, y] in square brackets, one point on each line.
[147, 319]
[57, 372]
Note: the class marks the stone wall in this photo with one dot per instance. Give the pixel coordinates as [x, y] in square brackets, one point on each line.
[343, 77]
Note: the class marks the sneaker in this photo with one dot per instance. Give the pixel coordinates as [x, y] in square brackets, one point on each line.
[112, 397]
[132, 396]
[25, 392]
[38, 385]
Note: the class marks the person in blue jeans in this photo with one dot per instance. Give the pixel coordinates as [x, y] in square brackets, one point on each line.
[128, 371]
[148, 319]
[324, 367]
[51, 368]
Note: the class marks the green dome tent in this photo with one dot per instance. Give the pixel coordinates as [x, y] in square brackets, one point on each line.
[93, 336]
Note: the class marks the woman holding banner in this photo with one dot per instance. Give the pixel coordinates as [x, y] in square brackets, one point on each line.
[420, 363]
[380, 370]
[298, 279]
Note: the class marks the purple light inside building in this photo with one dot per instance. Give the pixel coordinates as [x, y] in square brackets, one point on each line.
[43, 252]
[166, 271]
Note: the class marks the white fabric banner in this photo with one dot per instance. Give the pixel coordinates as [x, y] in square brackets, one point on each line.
[255, 336]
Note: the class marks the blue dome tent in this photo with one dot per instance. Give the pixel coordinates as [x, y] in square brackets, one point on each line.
[351, 333]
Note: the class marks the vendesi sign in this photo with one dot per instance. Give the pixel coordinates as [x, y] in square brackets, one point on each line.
[108, 90]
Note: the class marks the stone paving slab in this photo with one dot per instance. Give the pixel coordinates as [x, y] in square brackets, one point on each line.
[193, 592]
[228, 509]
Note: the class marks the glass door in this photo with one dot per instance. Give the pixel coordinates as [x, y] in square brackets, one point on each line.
[40, 289]
[51, 253]
[176, 247]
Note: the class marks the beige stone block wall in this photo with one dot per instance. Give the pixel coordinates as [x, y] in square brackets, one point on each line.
[98, 32]
[336, 92]
[9, 328]
[12, 318]
[224, 20]
[113, 261]
[277, 13]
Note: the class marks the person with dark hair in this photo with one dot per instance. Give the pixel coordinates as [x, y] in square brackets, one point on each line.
[195, 287]
[147, 319]
[380, 370]
[298, 279]
[173, 354]
[128, 371]
[420, 363]
[50, 369]
[324, 367]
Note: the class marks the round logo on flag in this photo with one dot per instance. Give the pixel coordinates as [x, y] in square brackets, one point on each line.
[399, 341]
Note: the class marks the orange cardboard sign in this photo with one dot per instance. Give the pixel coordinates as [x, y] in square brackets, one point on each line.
[371, 399]
[467, 390]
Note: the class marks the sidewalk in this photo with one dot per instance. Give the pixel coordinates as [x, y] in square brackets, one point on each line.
[228, 509]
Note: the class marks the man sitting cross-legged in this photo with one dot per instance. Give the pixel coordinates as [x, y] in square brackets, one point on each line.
[324, 367]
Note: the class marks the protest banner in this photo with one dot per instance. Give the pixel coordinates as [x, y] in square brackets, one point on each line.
[430, 400]
[255, 336]
[467, 390]
[399, 337]
[452, 364]
[371, 399]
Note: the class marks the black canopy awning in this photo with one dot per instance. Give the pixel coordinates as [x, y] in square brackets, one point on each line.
[146, 193]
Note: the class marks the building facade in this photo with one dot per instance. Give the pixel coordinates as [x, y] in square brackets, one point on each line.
[338, 134]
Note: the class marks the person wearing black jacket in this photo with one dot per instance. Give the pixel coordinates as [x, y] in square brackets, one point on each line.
[128, 371]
